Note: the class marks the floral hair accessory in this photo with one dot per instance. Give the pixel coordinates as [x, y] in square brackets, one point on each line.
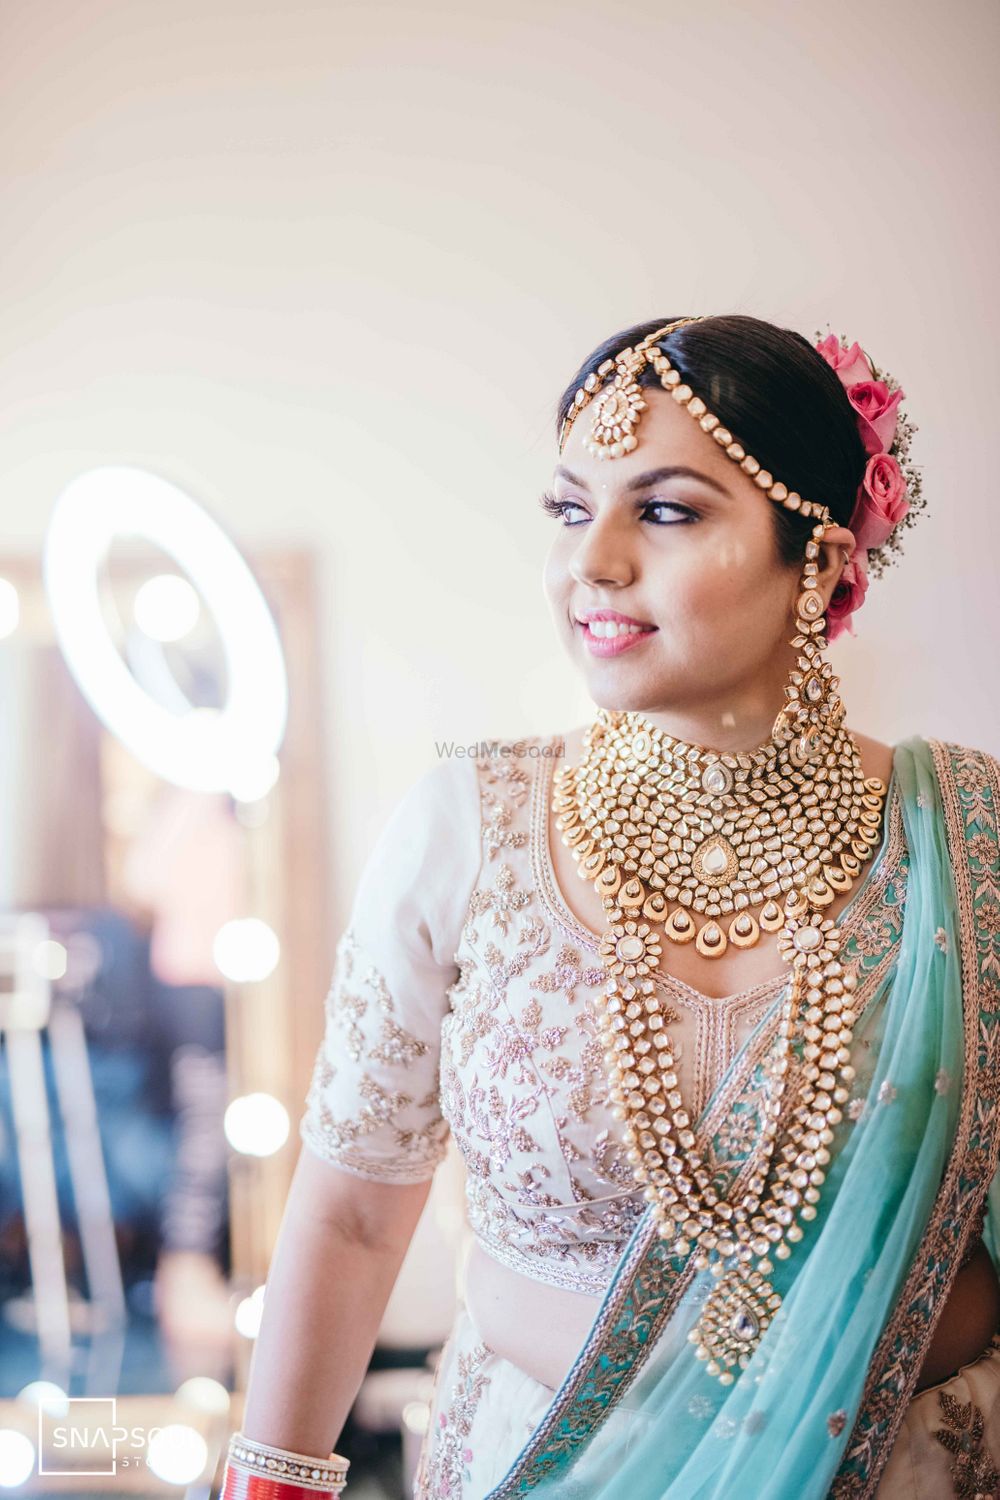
[889, 496]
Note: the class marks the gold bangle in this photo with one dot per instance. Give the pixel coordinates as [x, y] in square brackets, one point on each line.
[303, 1468]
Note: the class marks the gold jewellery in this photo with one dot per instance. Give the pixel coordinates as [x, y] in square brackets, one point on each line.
[686, 844]
[618, 405]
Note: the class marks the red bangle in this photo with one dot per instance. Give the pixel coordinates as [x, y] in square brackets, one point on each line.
[240, 1484]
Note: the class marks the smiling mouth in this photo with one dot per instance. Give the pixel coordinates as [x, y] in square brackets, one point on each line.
[610, 630]
[604, 638]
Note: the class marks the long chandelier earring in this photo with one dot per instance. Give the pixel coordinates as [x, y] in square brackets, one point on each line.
[814, 705]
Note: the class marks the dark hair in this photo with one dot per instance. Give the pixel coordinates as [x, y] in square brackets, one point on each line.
[778, 397]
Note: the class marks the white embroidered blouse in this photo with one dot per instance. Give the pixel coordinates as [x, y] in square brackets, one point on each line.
[462, 1001]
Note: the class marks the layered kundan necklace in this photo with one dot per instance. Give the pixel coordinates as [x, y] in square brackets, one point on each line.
[689, 844]
[696, 846]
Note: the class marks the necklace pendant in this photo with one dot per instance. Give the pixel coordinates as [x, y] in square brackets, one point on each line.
[733, 1321]
[711, 941]
[744, 931]
[715, 863]
[679, 926]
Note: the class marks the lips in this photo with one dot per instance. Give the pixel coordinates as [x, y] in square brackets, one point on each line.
[608, 632]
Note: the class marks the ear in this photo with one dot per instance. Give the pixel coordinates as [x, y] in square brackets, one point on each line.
[835, 551]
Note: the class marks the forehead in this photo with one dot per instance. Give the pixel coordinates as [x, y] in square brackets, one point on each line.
[666, 435]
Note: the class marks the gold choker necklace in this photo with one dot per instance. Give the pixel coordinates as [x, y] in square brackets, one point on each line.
[664, 830]
[651, 820]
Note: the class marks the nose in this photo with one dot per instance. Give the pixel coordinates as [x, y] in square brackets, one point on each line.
[601, 555]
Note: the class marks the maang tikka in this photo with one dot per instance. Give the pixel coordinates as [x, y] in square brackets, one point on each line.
[665, 830]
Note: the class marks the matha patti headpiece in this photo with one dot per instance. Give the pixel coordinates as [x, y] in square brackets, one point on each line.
[616, 396]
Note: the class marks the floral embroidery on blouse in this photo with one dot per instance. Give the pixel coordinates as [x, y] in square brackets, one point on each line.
[501, 900]
[361, 1029]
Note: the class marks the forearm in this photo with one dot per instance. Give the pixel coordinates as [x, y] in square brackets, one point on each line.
[333, 1269]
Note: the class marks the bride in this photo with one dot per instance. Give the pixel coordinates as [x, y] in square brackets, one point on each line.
[706, 992]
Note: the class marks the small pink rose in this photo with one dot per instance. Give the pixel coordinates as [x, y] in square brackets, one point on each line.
[881, 502]
[850, 364]
[848, 596]
[467, 1455]
[877, 412]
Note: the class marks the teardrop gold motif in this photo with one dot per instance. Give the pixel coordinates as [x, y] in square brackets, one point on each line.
[744, 931]
[771, 917]
[592, 866]
[715, 862]
[711, 941]
[608, 881]
[679, 927]
[820, 894]
[655, 907]
[631, 893]
[796, 904]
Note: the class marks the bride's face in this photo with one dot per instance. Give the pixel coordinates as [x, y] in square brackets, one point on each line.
[677, 538]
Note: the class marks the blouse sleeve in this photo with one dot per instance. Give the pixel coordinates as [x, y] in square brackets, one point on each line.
[373, 1102]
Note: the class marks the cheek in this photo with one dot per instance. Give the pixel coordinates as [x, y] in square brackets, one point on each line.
[728, 595]
[555, 574]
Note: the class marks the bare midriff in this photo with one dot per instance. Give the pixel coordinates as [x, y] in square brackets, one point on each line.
[541, 1328]
[538, 1327]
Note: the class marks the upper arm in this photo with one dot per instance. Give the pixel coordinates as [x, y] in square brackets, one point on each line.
[376, 1215]
[373, 1103]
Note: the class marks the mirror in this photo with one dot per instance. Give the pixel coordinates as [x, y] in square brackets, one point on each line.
[154, 938]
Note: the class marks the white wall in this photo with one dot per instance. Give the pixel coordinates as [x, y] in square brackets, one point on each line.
[329, 265]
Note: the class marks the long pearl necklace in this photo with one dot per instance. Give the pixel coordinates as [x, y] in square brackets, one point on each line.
[664, 829]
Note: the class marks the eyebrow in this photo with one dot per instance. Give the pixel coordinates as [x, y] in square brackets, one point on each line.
[652, 476]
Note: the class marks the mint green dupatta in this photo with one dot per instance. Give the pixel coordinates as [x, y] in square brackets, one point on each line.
[816, 1410]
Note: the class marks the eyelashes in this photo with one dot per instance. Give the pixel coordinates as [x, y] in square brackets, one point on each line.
[550, 505]
[558, 508]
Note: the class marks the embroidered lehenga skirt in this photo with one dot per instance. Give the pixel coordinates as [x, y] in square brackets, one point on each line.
[484, 1409]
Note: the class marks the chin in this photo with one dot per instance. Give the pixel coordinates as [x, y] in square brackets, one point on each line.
[628, 698]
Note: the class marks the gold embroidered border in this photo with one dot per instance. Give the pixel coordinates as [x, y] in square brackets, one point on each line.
[896, 1364]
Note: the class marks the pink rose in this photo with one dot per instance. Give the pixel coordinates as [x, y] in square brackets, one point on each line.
[848, 596]
[850, 364]
[881, 502]
[876, 411]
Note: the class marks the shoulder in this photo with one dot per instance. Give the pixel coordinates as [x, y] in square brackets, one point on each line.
[877, 758]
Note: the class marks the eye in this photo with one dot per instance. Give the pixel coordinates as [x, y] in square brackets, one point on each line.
[682, 514]
[554, 507]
